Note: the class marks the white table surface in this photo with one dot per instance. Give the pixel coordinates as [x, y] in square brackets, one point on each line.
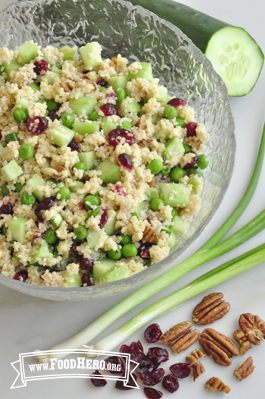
[28, 323]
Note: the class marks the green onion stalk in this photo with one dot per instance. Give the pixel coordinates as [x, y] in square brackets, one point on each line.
[210, 250]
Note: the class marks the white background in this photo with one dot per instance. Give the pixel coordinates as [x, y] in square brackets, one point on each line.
[28, 323]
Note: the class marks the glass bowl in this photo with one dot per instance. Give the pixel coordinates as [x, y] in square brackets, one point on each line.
[136, 34]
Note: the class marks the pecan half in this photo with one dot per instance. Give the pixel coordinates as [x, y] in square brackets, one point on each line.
[245, 345]
[149, 234]
[186, 341]
[180, 337]
[215, 384]
[253, 327]
[194, 357]
[210, 309]
[196, 370]
[245, 369]
[218, 346]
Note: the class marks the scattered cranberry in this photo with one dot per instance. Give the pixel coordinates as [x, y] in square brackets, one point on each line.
[6, 209]
[135, 350]
[81, 205]
[102, 83]
[75, 146]
[152, 333]
[170, 383]
[44, 205]
[109, 109]
[115, 136]
[180, 370]
[41, 67]
[37, 124]
[21, 276]
[112, 94]
[98, 382]
[73, 249]
[120, 190]
[137, 346]
[147, 364]
[85, 263]
[86, 281]
[125, 161]
[152, 378]
[193, 160]
[53, 115]
[103, 219]
[191, 129]
[177, 102]
[143, 250]
[152, 393]
[120, 384]
[114, 365]
[160, 354]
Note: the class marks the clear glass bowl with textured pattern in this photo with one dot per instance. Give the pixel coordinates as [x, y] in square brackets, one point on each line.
[137, 34]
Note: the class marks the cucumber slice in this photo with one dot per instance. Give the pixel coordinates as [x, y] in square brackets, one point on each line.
[34, 87]
[108, 126]
[162, 98]
[101, 267]
[109, 227]
[61, 135]
[110, 171]
[13, 66]
[141, 207]
[72, 281]
[144, 73]
[26, 52]
[88, 158]
[116, 273]
[174, 194]
[11, 170]
[23, 102]
[91, 55]
[162, 134]
[51, 76]
[85, 127]
[83, 105]
[178, 226]
[78, 184]
[93, 238]
[173, 147]
[130, 107]
[17, 226]
[117, 82]
[68, 53]
[43, 252]
[56, 220]
[34, 182]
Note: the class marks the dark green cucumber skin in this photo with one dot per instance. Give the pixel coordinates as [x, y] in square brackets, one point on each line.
[199, 27]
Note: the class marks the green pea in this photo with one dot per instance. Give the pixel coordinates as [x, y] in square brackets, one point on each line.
[52, 105]
[80, 166]
[4, 230]
[121, 94]
[166, 170]
[68, 119]
[18, 187]
[170, 112]
[101, 89]
[187, 148]
[94, 213]
[58, 65]
[63, 194]
[20, 114]
[5, 190]
[194, 171]
[26, 151]
[176, 174]
[126, 125]
[28, 199]
[181, 122]
[174, 212]
[41, 101]
[91, 201]
[129, 251]
[155, 203]
[50, 236]
[93, 116]
[203, 161]
[80, 232]
[155, 166]
[11, 137]
[125, 239]
[115, 255]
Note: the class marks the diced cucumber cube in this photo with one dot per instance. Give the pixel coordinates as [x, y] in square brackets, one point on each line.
[72, 281]
[85, 127]
[117, 82]
[141, 207]
[108, 126]
[83, 106]
[17, 226]
[34, 87]
[51, 76]
[56, 220]
[78, 184]
[11, 170]
[178, 226]
[43, 252]
[93, 238]
[91, 55]
[61, 135]
[34, 182]
[174, 194]
[130, 107]
[68, 53]
[162, 134]
[162, 98]
[101, 267]
[116, 273]
[109, 227]
[155, 118]
[110, 171]
[88, 158]
[13, 66]
[144, 73]
[22, 102]
[1, 148]
[26, 52]
[173, 147]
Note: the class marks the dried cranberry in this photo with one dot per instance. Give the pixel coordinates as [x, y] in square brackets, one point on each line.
[103, 219]
[86, 281]
[98, 382]
[137, 346]
[170, 383]
[143, 250]
[152, 378]
[44, 205]
[109, 109]
[0, 134]
[102, 83]
[53, 115]
[75, 146]
[37, 124]
[180, 370]
[152, 393]
[120, 190]
[73, 249]
[193, 160]
[112, 94]
[6, 209]
[81, 205]
[147, 364]
[191, 129]
[135, 350]
[41, 67]
[125, 161]
[115, 137]
[114, 365]
[85, 263]
[177, 102]
[121, 384]
[152, 333]
[21, 276]
[160, 354]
